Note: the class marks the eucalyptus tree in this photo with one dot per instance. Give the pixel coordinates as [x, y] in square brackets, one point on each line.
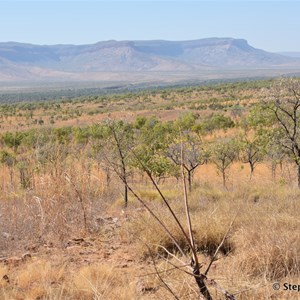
[187, 148]
[13, 140]
[275, 153]
[223, 153]
[283, 100]
[118, 143]
[214, 122]
[152, 140]
[252, 150]
[188, 151]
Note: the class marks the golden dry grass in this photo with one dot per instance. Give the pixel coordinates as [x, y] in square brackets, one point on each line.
[42, 279]
[262, 246]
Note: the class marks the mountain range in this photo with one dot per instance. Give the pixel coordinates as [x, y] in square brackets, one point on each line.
[115, 59]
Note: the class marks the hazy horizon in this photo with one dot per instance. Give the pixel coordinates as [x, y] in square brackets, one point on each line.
[269, 25]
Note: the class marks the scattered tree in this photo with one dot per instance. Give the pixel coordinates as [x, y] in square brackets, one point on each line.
[283, 100]
[252, 150]
[224, 152]
[117, 152]
[189, 153]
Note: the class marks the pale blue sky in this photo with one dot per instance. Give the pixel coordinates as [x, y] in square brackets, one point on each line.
[269, 25]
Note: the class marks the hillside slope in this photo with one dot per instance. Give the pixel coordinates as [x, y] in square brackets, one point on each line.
[25, 61]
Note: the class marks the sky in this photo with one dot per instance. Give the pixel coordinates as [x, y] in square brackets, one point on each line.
[270, 25]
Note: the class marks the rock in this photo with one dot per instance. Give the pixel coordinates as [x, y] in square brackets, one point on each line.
[13, 261]
[75, 241]
[75, 248]
[107, 220]
[78, 240]
[6, 278]
[32, 247]
[6, 235]
[26, 257]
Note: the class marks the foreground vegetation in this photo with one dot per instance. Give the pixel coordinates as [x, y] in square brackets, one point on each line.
[77, 202]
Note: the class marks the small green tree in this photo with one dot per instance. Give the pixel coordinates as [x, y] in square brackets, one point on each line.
[188, 152]
[154, 162]
[275, 153]
[117, 146]
[252, 150]
[224, 152]
[152, 140]
[13, 140]
[214, 122]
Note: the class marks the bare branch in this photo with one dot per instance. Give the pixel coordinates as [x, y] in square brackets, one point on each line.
[165, 271]
[164, 200]
[187, 211]
[164, 227]
[213, 259]
[79, 195]
[223, 291]
[160, 277]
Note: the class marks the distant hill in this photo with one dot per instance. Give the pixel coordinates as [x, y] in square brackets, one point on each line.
[104, 59]
[290, 54]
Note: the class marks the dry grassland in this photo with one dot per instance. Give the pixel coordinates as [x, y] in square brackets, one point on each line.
[47, 253]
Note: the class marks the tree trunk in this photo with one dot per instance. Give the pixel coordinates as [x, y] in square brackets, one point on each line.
[281, 167]
[274, 165]
[299, 176]
[107, 171]
[224, 178]
[11, 173]
[201, 284]
[189, 173]
[251, 170]
[125, 195]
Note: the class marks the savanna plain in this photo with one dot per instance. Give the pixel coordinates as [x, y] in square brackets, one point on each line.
[174, 193]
